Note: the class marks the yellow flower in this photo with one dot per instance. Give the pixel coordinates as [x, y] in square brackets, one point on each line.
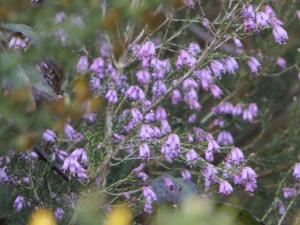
[121, 215]
[42, 217]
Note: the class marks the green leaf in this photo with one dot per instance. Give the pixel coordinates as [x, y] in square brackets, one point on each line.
[25, 30]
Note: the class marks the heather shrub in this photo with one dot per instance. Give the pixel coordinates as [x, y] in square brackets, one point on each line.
[144, 112]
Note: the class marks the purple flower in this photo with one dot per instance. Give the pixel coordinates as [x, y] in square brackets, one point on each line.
[296, 172]
[143, 77]
[216, 91]
[159, 88]
[150, 117]
[185, 59]
[82, 65]
[80, 154]
[171, 148]
[253, 109]
[205, 77]
[3, 175]
[225, 138]
[137, 116]
[298, 14]
[236, 156]
[230, 65]
[237, 110]
[19, 203]
[140, 168]
[206, 23]
[192, 118]
[254, 65]
[194, 49]
[135, 93]
[112, 96]
[176, 97]
[95, 84]
[72, 165]
[62, 36]
[192, 157]
[212, 145]
[60, 17]
[248, 174]
[146, 51]
[17, 42]
[281, 63]
[146, 132]
[248, 178]
[269, 11]
[249, 25]
[149, 197]
[160, 68]
[49, 136]
[281, 208]
[161, 113]
[144, 151]
[219, 122]
[169, 183]
[97, 66]
[280, 35]
[217, 68]
[225, 108]
[209, 155]
[250, 113]
[189, 3]
[225, 188]
[59, 214]
[71, 134]
[191, 98]
[90, 118]
[289, 192]
[238, 43]
[210, 175]
[186, 175]
[248, 12]
[165, 127]
[262, 20]
[190, 84]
